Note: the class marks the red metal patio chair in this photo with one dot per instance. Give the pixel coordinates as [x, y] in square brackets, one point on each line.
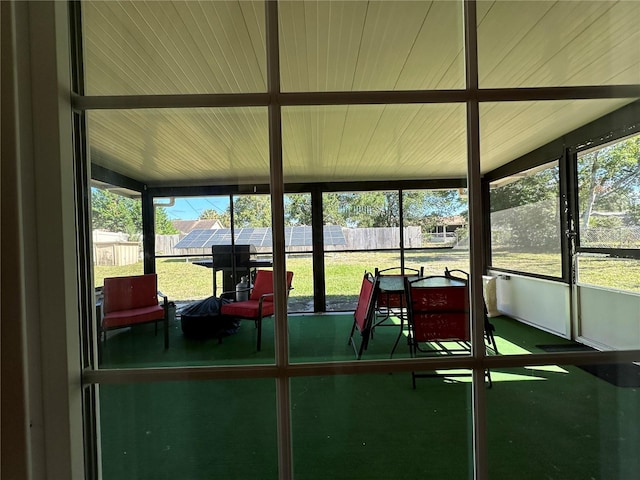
[364, 313]
[438, 314]
[260, 303]
[133, 300]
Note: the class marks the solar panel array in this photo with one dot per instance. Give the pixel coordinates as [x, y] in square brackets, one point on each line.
[260, 237]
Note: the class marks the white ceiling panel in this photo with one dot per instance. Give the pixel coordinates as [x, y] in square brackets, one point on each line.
[344, 46]
[320, 44]
[539, 44]
[182, 146]
[505, 128]
[166, 47]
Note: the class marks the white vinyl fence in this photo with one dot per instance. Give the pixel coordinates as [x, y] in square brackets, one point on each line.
[116, 253]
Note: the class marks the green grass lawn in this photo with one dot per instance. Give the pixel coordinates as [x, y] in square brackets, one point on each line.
[181, 280]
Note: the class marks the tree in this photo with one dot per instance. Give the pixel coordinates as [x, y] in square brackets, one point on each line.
[163, 223]
[354, 209]
[331, 210]
[368, 209]
[428, 208]
[297, 210]
[252, 211]
[536, 227]
[115, 213]
[531, 188]
[526, 211]
[609, 178]
[211, 214]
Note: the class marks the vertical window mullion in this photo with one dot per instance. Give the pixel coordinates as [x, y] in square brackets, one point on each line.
[475, 240]
[285, 462]
[401, 227]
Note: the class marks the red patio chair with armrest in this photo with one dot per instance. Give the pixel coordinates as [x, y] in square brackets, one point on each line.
[364, 313]
[260, 303]
[133, 300]
[438, 313]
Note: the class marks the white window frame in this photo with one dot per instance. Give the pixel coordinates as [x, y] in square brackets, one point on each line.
[47, 289]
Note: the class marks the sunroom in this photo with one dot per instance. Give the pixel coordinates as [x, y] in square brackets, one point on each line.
[371, 120]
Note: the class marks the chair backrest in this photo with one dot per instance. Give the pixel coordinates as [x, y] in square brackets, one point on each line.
[263, 284]
[459, 274]
[488, 326]
[407, 271]
[366, 301]
[438, 310]
[396, 300]
[126, 293]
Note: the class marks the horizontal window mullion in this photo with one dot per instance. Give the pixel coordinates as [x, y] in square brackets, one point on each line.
[139, 375]
[97, 102]
[615, 252]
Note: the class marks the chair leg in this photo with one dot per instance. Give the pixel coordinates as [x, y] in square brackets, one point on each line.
[364, 343]
[492, 342]
[166, 331]
[353, 329]
[259, 327]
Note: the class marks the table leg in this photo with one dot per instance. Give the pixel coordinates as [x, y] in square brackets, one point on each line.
[395, 345]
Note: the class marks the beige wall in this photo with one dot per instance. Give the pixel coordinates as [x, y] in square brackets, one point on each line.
[41, 391]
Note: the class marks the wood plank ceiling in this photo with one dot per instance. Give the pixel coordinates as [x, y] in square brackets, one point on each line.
[170, 47]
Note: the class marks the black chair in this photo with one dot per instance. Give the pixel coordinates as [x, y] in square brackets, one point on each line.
[391, 301]
[388, 304]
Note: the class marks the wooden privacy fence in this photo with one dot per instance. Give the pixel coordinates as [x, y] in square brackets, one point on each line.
[380, 237]
[356, 239]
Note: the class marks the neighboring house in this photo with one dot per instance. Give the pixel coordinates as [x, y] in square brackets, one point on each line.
[185, 226]
[451, 224]
[445, 229]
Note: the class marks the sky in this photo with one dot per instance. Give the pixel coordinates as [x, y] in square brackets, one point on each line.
[191, 207]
